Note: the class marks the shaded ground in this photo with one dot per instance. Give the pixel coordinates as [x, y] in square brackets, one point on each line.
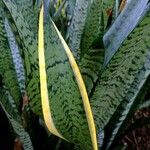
[139, 139]
[135, 139]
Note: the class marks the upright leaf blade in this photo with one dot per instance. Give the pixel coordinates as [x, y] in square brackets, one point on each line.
[92, 51]
[118, 77]
[83, 92]
[90, 67]
[43, 79]
[27, 43]
[130, 102]
[7, 70]
[17, 60]
[29, 12]
[93, 26]
[71, 7]
[60, 67]
[122, 27]
[76, 27]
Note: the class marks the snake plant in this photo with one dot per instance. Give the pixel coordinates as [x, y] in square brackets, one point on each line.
[84, 80]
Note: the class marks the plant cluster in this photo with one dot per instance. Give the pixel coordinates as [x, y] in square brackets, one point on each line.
[76, 69]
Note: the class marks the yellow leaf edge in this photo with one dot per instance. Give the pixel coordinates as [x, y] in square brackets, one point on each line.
[82, 89]
[43, 79]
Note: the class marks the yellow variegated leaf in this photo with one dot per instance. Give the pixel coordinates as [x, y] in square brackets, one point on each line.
[66, 123]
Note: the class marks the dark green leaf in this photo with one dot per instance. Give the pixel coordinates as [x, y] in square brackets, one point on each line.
[93, 27]
[90, 66]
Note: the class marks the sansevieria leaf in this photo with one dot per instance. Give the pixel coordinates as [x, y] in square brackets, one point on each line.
[27, 43]
[7, 69]
[133, 97]
[17, 60]
[96, 22]
[43, 81]
[77, 24]
[90, 67]
[123, 25]
[93, 28]
[92, 49]
[73, 119]
[118, 78]
[70, 7]
[30, 12]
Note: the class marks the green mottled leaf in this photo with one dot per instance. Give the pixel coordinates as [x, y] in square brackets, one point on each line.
[17, 60]
[92, 58]
[93, 26]
[76, 27]
[122, 27]
[28, 46]
[130, 103]
[30, 13]
[90, 66]
[118, 78]
[7, 70]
